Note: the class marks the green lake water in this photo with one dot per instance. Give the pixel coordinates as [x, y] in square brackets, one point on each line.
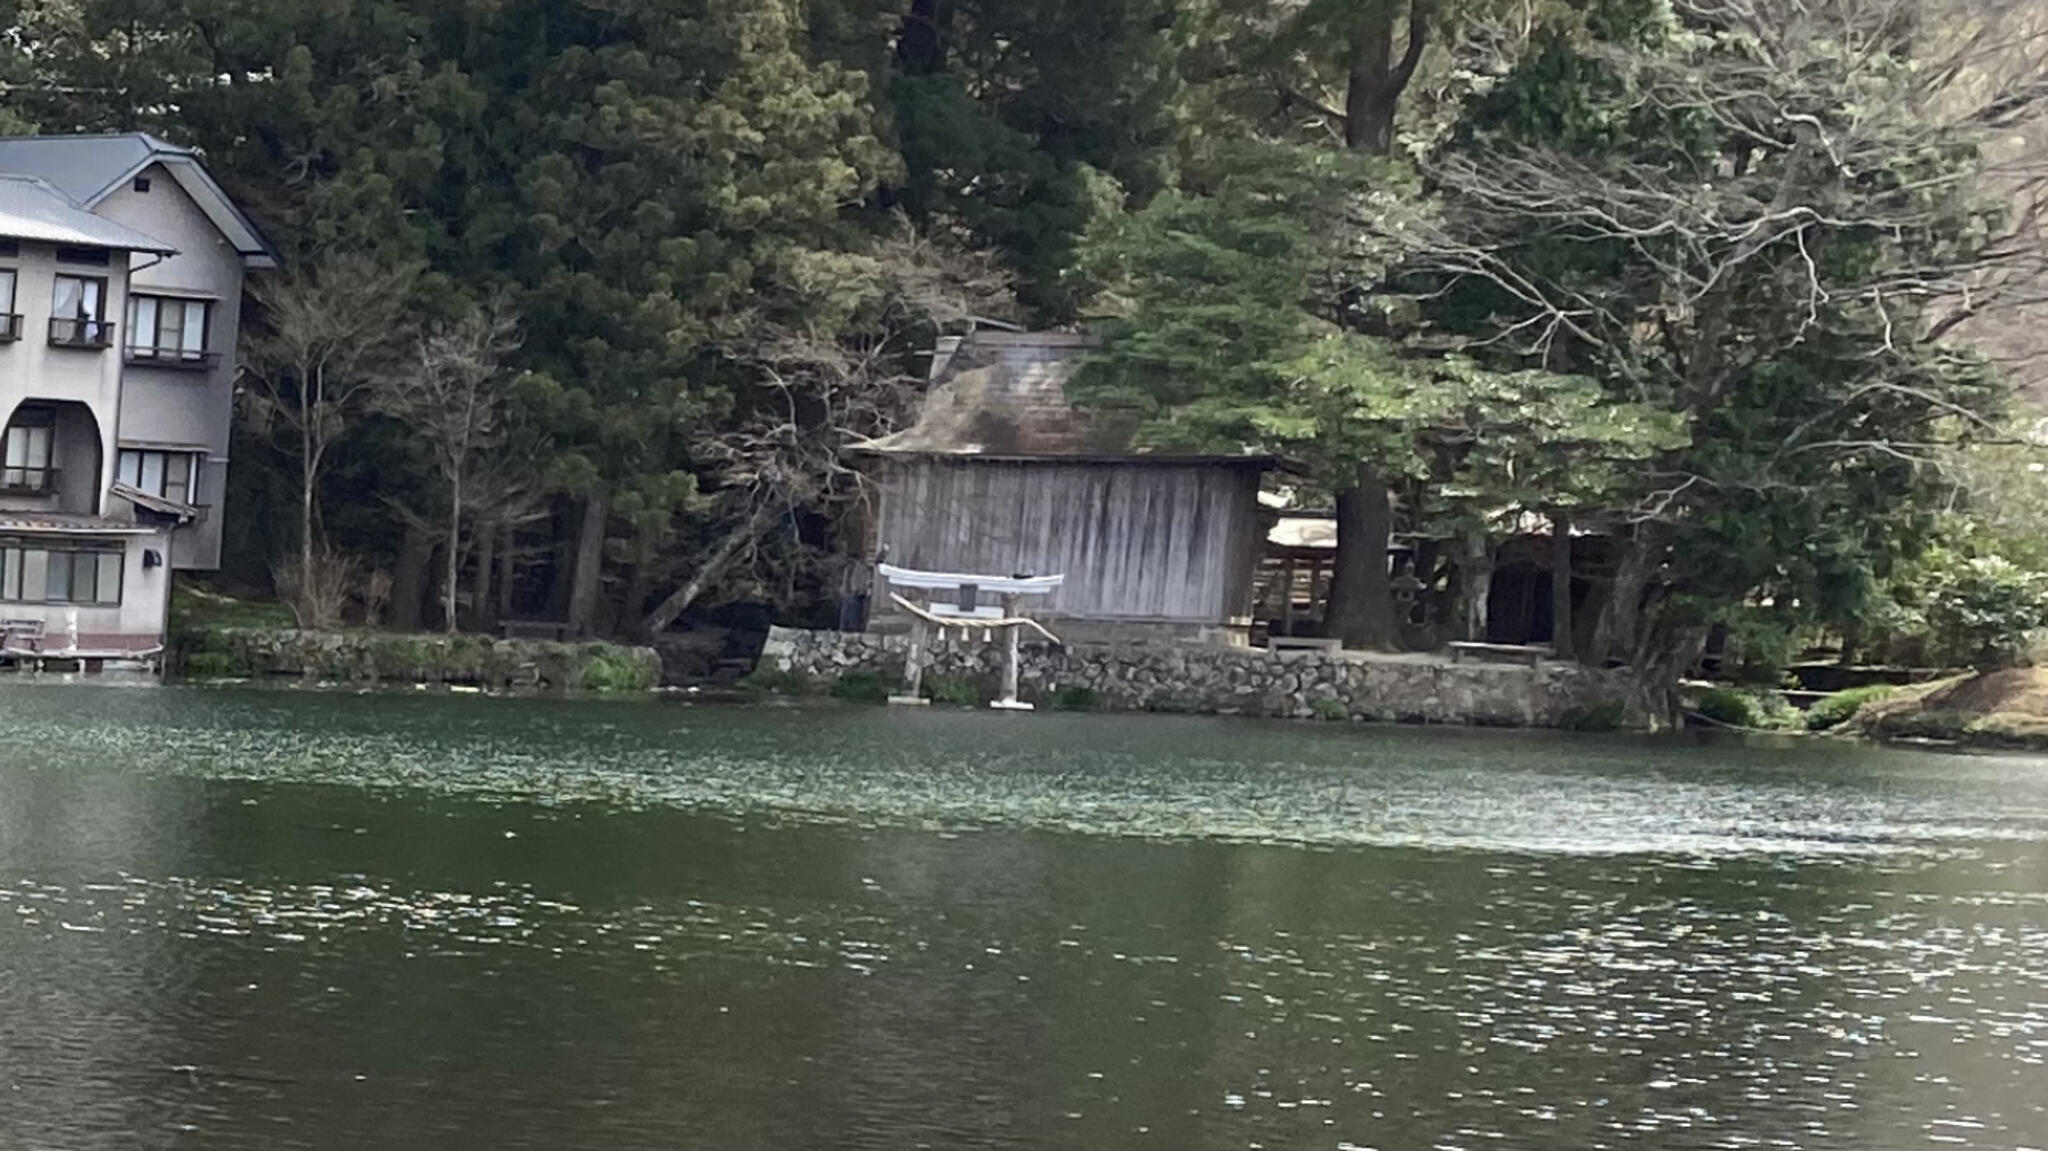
[275, 919]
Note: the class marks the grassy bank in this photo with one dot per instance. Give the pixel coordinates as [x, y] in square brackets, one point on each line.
[214, 636]
[2004, 710]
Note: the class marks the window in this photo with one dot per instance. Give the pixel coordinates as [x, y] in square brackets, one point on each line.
[77, 311]
[163, 328]
[10, 322]
[167, 475]
[30, 436]
[38, 575]
[91, 257]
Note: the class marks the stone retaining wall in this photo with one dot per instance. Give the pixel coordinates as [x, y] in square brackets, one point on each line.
[1232, 681]
[400, 657]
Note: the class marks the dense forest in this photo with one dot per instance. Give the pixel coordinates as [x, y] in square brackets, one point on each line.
[583, 297]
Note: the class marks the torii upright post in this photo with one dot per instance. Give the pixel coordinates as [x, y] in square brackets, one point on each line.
[1009, 701]
[913, 668]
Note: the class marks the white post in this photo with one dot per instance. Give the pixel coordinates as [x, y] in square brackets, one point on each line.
[913, 668]
[1009, 701]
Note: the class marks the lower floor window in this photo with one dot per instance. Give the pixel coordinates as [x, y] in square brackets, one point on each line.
[43, 575]
[168, 475]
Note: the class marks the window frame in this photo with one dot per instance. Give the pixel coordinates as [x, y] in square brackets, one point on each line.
[95, 323]
[29, 420]
[168, 457]
[156, 352]
[10, 316]
[78, 564]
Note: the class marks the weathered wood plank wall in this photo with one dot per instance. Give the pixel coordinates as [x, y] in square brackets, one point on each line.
[1135, 541]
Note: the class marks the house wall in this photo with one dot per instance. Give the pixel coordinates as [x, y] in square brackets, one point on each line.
[32, 369]
[170, 408]
[1166, 543]
[137, 624]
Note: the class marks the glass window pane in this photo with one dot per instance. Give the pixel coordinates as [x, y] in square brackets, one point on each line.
[69, 294]
[130, 470]
[38, 452]
[178, 479]
[195, 327]
[17, 447]
[110, 577]
[170, 322]
[94, 307]
[10, 573]
[35, 570]
[7, 290]
[142, 322]
[152, 473]
[58, 586]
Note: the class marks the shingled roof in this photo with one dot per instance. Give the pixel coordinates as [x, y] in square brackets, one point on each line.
[1002, 395]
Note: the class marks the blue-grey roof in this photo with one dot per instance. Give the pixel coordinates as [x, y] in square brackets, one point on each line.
[84, 168]
[90, 168]
[33, 210]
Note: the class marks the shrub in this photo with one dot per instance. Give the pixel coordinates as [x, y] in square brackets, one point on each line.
[861, 687]
[1731, 707]
[612, 669]
[214, 665]
[1330, 710]
[1982, 610]
[1843, 706]
[952, 692]
[1076, 699]
[1599, 719]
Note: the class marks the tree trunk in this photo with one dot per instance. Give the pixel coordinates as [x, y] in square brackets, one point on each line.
[1376, 81]
[588, 572]
[483, 611]
[508, 547]
[1614, 634]
[1561, 624]
[1361, 610]
[409, 579]
[453, 575]
[666, 613]
[1475, 584]
[309, 486]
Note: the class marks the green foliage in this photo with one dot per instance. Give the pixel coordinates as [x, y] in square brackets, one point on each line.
[1330, 710]
[765, 680]
[862, 687]
[214, 665]
[1985, 609]
[1731, 707]
[951, 692]
[614, 670]
[1752, 709]
[1072, 698]
[1599, 719]
[1843, 706]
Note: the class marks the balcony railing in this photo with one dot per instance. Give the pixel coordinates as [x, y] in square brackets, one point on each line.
[10, 328]
[75, 333]
[177, 359]
[28, 481]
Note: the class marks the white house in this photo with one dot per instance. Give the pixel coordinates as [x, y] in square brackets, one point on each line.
[121, 265]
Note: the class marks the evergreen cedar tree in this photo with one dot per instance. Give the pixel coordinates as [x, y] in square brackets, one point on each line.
[1458, 256]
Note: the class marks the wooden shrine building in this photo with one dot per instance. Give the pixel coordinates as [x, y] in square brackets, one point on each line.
[1001, 474]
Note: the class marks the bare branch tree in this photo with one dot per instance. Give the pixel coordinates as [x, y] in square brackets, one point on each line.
[332, 330]
[455, 397]
[819, 386]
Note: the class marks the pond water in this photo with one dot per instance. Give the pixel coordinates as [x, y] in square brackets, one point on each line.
[272, 919]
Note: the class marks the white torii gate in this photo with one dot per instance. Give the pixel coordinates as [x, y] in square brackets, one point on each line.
[963, 609]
